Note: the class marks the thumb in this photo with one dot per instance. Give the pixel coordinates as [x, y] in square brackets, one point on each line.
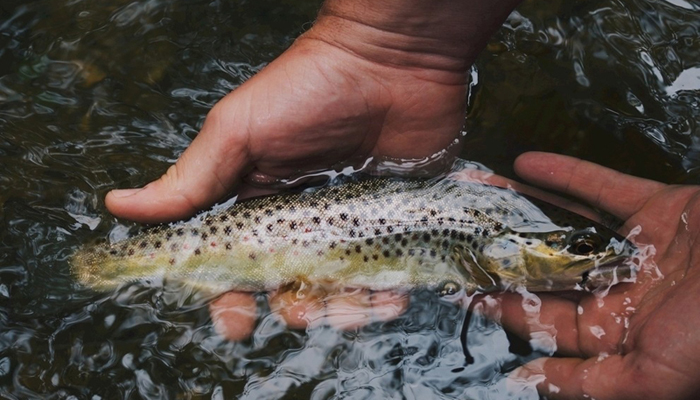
[208, 170]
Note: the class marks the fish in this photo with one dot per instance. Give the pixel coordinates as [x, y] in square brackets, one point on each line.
[448, 235]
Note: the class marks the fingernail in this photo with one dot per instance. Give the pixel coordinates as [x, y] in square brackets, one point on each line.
[121, 193]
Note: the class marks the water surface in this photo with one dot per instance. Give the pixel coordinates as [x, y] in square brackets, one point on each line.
[98, 95]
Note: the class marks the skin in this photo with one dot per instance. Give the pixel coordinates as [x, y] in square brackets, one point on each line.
[657, 355]
[369, 79]
[347, 90]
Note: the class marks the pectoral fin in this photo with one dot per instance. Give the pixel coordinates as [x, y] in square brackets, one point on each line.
[467, 259]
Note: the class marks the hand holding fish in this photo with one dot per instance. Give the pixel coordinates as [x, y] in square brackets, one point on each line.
[362, 82]
[639, 341]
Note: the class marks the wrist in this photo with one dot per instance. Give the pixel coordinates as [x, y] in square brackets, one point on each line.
[440, 37]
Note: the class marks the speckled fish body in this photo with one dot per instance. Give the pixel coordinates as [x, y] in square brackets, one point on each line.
[376, 234]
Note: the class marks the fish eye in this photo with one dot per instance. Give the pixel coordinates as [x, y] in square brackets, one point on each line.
[448, 288]
[585, 243]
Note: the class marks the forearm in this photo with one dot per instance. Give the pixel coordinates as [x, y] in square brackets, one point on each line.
[442, 35]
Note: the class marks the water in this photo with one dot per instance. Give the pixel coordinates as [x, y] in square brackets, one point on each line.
[97, 95]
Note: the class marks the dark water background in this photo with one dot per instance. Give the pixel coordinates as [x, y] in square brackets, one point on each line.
[102, 94]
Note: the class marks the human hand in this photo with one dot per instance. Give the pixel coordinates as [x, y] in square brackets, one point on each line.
[315, 107]
[639, 341]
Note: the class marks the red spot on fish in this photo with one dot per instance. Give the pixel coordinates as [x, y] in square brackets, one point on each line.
[213, 244]
[307, 230]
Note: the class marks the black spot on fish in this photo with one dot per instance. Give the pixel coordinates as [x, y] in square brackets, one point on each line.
[213, 230]
[180, 232]
[426, 237]
[251, 256]
[356, 221]
[223, 218]
[130, 252]
[257, 220]
[208, 222]
[113, 252]
[197, 252]
[333, 245]
[168, 235]
[268, 212]
[343, 216]
[398, 237]
[433, 253]
[143, 244]
[369, 241]
[365, 258]
[157, 244]
[377, 231]
[382, 221]
[386, 253]
[205, 236]
[411, 252]
[228, 246]
[171, 261]
[227, 230]
[404, 242]
[239, 225]
[424, 220]
[399, 252]
[390, 229]
[485, 233]
[445, 244]
[462, 237]
[194, 232]
[470, 238]
[269, 227]
[434, 232]
[348, 252]
[292, 225]
[433, 213]
[358, 249]
[246, 214]
[385, 240]
[330, 221]
[375, 257]
[316, 220]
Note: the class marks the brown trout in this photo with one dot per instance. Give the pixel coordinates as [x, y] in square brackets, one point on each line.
[377, 234]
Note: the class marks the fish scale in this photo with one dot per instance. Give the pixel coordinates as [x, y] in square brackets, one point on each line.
[377, 234]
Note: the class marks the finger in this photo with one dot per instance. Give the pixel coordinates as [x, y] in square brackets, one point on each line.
[233, 315]
[632, 376]
[349, 309]
[300, 307]
[388, 304]
[206, 172]
[615, 192]
[497, 180]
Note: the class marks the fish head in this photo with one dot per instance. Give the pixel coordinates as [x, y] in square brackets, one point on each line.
[557, 260]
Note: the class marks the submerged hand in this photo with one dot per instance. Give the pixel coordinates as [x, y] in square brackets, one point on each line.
[640, 341]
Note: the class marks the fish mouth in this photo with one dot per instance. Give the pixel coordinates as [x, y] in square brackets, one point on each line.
[608, 274]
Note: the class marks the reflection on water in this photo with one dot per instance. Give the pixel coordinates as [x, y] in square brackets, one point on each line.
[97, 95]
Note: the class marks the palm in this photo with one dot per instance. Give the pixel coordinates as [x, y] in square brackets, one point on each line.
[636, 342]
